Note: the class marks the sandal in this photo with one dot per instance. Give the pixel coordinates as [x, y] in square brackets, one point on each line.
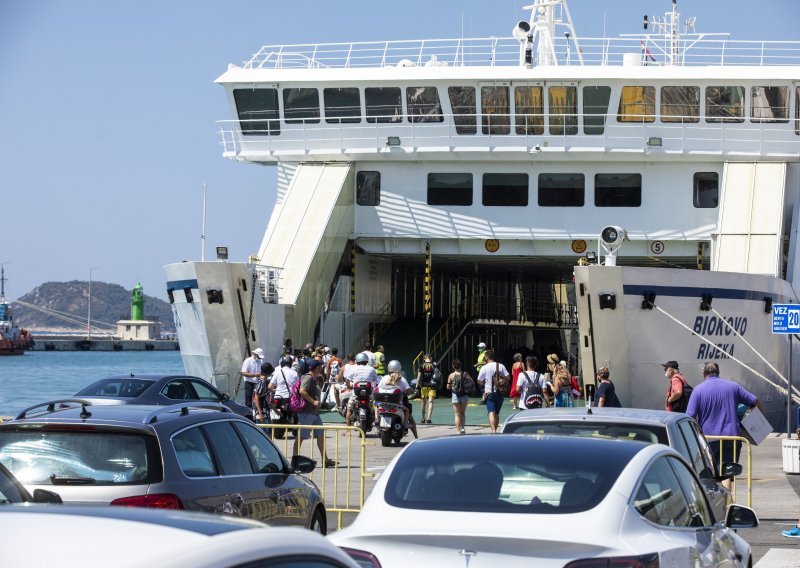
[330, 463]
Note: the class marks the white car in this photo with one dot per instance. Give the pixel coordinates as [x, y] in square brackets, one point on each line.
[123, 537]
[489, 501]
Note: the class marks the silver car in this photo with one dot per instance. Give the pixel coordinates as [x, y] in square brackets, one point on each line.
[195, 456]
[673, 429]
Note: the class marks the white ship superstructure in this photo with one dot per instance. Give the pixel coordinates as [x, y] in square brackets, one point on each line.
[434, 193]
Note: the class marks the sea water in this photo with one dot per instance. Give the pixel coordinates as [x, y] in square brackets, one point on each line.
[40, 376]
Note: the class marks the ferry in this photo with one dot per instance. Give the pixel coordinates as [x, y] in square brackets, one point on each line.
[623, 201]
[13, 339]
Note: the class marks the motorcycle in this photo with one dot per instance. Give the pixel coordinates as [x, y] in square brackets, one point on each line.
[364, 417]
[280, 413]
[391, 417]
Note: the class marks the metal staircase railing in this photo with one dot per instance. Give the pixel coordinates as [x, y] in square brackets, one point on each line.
[384, 318]
[443, 336]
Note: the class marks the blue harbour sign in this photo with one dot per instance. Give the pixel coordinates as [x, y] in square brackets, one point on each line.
[786, 318]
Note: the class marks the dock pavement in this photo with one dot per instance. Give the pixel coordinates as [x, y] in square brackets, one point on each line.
[775, 494]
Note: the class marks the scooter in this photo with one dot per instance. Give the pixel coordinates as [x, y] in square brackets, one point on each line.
[364, 417]
[391, 417]
[280, 413]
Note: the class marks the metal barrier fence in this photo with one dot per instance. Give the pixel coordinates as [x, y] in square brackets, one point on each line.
[745, 445]
[342, 486]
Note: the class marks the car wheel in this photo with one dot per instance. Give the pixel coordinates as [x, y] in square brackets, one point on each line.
[318, 522]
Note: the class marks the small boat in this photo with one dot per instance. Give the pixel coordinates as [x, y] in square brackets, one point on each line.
[13, 340]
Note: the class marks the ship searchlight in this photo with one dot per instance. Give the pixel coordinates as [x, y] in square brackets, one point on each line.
[610, 240]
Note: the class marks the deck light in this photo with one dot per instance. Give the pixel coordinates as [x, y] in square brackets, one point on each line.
[705, 302]
[392, 140]
[654, 141]
[767, 304]
[608, 301]
[222, 253]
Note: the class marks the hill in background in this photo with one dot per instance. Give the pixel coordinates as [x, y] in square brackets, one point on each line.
[70, 300]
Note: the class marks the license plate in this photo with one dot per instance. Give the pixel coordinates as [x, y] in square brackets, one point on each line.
[274, 415]
[386, 422]
[362, 411]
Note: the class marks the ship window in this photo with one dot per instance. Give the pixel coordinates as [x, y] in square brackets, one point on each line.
[706, 190]
[637, 104]
[529, 104]
[368, 188]
[769, 104]
[680, 104]
[617, 190]
[561, 190]
[495, 110]
[423, 104]
[383, 104]
[505, 190]
[462, 101]
[301, 106]
[797, 111]
[342, 105]
[449, 189]
[595, 109]
[724, 104]
[258, 111]
[563, 110]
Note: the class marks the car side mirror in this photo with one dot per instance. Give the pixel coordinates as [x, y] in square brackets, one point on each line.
[302, 464]
[45, 496]
[739, 517]
[730, 470]
[224, 397]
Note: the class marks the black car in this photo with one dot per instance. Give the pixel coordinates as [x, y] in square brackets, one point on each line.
[160, 390]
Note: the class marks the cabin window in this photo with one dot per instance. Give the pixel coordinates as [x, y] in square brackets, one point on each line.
[301, 106]
[561, 190]
[368, 188]
[617, 190]
[769, 104]
[706, 190]
[595, 109]
[724, 104]
[505, 190]
[449, 189]
[637, 104]
[529, 104]
[465, 110]
[563, 110]
[342, 105]
[423, 104]
[797, 110]
[383, 104]
[680, 104]
[495, 110]
[258, 111]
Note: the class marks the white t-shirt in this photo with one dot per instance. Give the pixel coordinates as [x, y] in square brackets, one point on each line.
[525, 382]
[361, 373]
[486, 375]
[384, 385]
[251, 365]
[283, 388]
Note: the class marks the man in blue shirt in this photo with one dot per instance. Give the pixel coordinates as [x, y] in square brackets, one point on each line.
[713, 404]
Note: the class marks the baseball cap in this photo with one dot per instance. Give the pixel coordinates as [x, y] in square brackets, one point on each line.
[313, 364]
[258, 351]
[481, 345]
[671, 364]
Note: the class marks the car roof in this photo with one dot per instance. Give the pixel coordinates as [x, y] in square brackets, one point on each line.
[118, 415]
[598, 415]
[148, 377]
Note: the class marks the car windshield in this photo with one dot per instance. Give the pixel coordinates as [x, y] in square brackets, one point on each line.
[509, 478]
[128, 388]
[588, 429]
[77, 457]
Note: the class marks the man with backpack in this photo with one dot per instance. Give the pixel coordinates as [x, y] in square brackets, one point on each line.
[496, 384]
[678, 392]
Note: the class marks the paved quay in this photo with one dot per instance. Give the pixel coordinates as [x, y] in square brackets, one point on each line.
[775, 494]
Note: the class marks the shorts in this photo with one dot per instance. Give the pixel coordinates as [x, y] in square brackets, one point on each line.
[459, 399]
[427, 392]
[305, 419]
[494, 402]
[730, 451]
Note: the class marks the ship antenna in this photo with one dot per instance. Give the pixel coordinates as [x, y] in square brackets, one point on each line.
[3, 281]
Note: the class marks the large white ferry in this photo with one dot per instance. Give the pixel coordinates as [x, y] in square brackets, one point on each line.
[437, 193]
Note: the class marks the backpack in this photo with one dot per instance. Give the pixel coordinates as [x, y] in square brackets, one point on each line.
[534, 397]
[296, 402]
[682, 403]
[468, 385]
[436, 379]
[576, 388]
[335, 367]
[501, 383]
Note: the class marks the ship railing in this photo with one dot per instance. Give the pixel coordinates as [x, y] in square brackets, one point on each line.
[531, 133]
[690, 50]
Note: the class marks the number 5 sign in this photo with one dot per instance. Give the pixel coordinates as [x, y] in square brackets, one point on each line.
[657, 247]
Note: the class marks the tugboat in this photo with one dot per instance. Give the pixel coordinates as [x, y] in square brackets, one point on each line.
[13, 340]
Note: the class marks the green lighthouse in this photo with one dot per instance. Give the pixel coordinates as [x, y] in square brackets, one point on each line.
[137, 303]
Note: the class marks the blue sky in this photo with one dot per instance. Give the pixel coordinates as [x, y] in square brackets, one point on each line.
[108, 109]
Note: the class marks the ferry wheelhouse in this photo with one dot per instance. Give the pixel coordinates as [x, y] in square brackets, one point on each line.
[433, 194]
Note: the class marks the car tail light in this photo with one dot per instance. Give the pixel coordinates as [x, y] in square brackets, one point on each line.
[642, 561]
[362, 558]
[154, 501]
